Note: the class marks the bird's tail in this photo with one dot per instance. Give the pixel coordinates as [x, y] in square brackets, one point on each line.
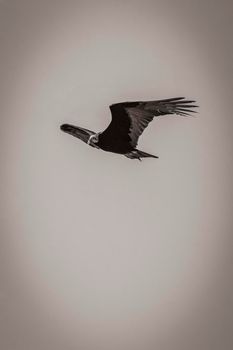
[137, 154]
[142, 154]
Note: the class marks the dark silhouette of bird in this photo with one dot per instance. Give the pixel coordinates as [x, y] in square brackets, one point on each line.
[129, 119]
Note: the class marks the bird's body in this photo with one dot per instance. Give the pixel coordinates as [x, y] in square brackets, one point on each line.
[129, 119]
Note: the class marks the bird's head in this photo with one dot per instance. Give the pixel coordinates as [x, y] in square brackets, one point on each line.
[93, 140]
[80, 133]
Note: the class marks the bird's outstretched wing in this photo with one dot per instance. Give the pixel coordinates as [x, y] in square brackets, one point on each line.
[129, 119]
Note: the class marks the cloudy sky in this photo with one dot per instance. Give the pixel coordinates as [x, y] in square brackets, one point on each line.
[99, 251]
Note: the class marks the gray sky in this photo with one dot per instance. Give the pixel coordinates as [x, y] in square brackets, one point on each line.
[99, 251]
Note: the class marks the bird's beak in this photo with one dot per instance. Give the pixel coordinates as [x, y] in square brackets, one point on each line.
[80, 133]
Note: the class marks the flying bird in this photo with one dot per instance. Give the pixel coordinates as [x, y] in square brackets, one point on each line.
[129, 119]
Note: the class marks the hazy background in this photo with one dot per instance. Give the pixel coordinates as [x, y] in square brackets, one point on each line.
[99, 251]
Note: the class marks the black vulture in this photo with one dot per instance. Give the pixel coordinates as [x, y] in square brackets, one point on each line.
[129, 119]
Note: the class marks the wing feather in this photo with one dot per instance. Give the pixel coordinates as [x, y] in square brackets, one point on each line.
[140, 119]
[129, 119]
